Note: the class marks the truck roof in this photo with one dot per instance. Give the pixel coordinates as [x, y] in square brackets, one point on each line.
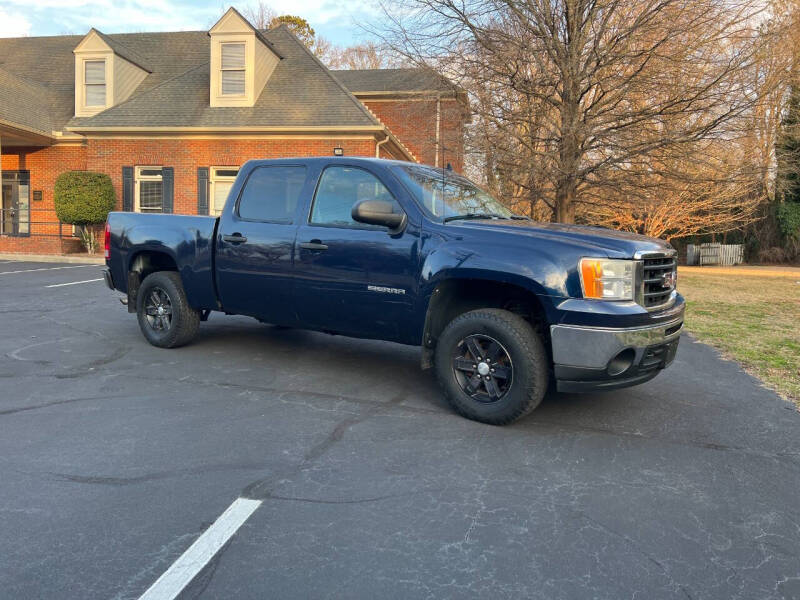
[328, 160]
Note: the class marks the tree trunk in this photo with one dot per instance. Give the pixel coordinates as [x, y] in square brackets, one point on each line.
[569, 147]
[565, 203]
[569, 166]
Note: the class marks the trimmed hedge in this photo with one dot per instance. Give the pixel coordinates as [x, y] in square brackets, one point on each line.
[83, 198]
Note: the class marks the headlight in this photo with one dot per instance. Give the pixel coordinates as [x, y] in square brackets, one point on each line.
[606, 279]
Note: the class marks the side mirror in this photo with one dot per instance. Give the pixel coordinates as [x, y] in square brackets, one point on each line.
[378, 212]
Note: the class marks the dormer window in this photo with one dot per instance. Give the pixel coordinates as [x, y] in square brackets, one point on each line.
[106, 73]
[241, 61]
[95, 81]
[232, 69]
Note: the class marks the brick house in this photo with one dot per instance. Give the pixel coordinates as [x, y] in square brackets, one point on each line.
[170, 117]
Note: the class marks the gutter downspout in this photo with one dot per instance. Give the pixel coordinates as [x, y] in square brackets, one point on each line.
[438, 128]
[379, 144]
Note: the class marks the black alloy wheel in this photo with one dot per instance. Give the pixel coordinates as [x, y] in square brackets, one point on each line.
[483, 368]
[163, 311]
[158, 310]
[492, 365]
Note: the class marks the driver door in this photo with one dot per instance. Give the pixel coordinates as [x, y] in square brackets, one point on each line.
[353, 278]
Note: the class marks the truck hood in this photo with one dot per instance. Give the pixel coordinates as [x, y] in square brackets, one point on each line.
[615, 244]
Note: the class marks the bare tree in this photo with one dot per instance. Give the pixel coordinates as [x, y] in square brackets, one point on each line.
[260, 14]
[366, 55]
[573, 93]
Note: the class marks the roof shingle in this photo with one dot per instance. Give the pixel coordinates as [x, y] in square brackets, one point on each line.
[394, 80]
[301, 92]
[24, 103]
[121, 50]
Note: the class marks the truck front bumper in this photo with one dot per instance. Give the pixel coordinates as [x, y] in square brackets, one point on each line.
[598, 358]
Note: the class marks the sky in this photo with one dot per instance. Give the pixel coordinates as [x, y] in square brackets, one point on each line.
[335, 20]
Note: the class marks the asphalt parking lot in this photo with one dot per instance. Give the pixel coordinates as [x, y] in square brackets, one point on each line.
[357, 480]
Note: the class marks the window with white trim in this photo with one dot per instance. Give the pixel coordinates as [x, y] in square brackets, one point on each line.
[221, 180]
[149, 190]
[232, 67]
[94, 82]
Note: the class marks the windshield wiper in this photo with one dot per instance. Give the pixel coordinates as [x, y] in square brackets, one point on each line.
[474, 216]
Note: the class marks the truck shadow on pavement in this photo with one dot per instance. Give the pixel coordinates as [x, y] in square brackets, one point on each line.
[297, 360]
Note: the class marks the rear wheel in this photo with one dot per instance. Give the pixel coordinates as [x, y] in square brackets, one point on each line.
[164, 314]
[492, 366]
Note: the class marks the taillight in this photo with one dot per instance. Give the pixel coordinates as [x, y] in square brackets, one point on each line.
[107, 241]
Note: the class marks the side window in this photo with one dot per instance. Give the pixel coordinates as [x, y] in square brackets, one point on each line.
[339, 189]
[271, 194]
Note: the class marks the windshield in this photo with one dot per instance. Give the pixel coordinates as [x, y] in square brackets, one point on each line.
[449, 196]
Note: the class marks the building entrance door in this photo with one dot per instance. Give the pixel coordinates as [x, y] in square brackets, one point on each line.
[15, 203]
[7, 210]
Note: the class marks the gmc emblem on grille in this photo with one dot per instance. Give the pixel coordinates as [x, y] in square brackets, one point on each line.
[668, 279]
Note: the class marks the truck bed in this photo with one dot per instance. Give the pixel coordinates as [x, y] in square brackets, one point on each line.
[187, 240]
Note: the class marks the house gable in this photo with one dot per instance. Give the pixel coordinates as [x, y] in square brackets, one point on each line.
[241, 62]
[301, 96]
[105, 74]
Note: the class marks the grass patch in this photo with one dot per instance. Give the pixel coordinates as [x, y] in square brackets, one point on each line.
[754, 320]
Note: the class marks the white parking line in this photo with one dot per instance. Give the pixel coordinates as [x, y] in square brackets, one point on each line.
[73, 283]
[46, 269]
[197, 556]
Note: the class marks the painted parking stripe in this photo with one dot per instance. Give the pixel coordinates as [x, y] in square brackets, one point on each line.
[73, 283]
[191, 562]
[46, 269]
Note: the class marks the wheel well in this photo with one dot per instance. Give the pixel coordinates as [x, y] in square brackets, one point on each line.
[454, 297]
[142, 265]
[148, 262]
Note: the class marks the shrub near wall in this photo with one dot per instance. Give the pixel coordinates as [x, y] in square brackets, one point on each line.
[84, 199]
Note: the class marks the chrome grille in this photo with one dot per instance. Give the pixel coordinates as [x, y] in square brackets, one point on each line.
[658, 280]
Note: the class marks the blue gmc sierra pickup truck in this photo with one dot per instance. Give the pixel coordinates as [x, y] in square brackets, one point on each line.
[502, 306]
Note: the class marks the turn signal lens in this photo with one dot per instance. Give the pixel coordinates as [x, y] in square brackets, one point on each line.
[107, 241]
[607, 279]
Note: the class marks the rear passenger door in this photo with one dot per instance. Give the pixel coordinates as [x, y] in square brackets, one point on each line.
[255, 244]
[350, 277]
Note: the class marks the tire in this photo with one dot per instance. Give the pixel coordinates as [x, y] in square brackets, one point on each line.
[517, 369]
[179, 322]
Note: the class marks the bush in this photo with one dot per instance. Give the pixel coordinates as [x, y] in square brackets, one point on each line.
[788, 214]
[772, 255]
[83, 198]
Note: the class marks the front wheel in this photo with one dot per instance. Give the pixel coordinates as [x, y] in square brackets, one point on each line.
[492, 366]
[164, 314]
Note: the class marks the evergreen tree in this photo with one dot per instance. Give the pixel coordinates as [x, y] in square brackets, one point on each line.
[788, 151]
[787, 190]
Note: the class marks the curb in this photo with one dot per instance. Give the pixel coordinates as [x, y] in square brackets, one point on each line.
[54, 258]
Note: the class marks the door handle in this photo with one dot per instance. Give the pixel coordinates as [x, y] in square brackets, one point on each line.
[313, 245]
[236, 238]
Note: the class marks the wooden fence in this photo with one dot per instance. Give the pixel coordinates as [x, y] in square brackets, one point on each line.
[715, 254]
